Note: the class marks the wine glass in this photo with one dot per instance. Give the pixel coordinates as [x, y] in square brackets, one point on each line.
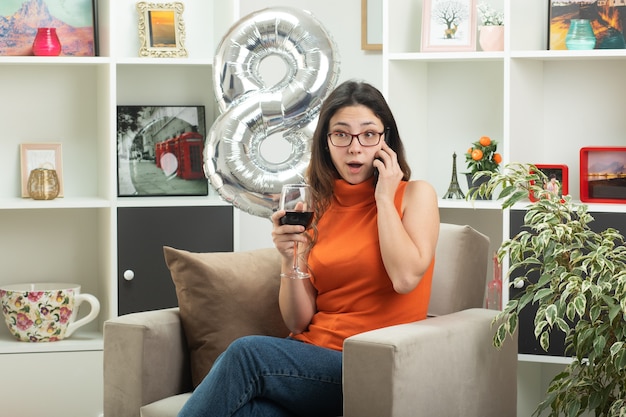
[297, 201]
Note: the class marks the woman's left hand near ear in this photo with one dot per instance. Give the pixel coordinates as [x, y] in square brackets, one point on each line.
[389, 173]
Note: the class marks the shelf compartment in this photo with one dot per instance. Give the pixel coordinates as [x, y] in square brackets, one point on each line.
[55, 103]
[204, 22]
[166, 85]
[68, 245]
[572, 104]
[445, 108]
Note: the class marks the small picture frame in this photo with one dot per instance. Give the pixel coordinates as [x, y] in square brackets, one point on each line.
[607, 18]
[558, 177]
[40, 155]
[371, 25]
[449, 25]
[160, 151]
[603, 174]
[161, 30]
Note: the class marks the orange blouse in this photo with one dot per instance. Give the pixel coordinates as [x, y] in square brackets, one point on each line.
[354, 292]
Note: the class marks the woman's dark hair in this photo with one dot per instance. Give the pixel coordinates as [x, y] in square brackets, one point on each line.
[321, 173]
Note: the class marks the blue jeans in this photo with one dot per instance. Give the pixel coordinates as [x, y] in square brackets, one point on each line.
[269, 376]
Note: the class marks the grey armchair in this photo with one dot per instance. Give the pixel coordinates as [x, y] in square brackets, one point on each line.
[442, 366]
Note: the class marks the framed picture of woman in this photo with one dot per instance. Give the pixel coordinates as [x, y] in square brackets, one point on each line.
[557, 179]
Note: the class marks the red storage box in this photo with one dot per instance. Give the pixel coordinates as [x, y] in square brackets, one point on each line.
[603, 174]
[560, 172]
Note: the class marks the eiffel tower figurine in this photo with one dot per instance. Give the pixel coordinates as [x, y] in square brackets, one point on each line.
[454, 191]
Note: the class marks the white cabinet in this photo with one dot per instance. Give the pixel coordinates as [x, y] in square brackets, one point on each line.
[73, 101]
[541, 106]
[143, 231]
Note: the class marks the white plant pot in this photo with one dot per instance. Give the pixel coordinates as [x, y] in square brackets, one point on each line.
[491, 38]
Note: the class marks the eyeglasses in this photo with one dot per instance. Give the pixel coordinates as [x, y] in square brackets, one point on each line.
[344, 139]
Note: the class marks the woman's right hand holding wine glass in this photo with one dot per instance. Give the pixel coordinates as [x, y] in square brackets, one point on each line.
[284, 236]
[296, 296]
[294, 216]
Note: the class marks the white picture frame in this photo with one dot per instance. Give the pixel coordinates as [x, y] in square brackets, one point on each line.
[40, 155]
[449, 26]
[161, 30]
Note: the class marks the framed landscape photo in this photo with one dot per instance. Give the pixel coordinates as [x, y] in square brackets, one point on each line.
[449, 25]
[558, 177]
[603, 174]
[160, 151]
[607, 18]
[40, 155]
[161, 30]
[75, 22]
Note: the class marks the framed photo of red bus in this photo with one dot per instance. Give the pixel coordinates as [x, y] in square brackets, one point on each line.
[160, 151]
[557, 181]
[603, 174]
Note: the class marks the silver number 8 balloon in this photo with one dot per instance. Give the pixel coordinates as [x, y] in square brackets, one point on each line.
[252, 111]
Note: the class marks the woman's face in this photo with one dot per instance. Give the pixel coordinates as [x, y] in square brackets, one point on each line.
[354, 162]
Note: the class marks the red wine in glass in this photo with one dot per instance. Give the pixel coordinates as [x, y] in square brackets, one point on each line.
[296, 200]
[297, 218]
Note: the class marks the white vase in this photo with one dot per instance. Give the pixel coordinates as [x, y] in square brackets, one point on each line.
[491, 38]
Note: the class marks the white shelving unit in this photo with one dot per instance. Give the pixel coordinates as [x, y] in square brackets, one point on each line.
[541, 106]
[73, 100]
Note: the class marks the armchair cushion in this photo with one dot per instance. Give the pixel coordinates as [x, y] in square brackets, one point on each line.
[224, 296]
[460, 274]
[167, 407]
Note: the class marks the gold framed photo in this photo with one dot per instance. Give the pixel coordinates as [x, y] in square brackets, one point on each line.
[161, 30]
[40, 155]
[371, 25]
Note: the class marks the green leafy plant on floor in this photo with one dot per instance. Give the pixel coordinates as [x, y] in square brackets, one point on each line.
[581, 291]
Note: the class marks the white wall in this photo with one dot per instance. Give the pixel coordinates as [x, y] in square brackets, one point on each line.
[343, 20]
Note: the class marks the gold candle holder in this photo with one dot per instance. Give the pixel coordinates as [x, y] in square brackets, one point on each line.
[43, 184]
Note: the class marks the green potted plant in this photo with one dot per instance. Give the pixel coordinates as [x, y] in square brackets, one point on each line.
[581, 291]
[481, 156]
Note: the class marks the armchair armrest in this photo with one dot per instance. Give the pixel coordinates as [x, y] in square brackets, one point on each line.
[145, 359]
[442, 366]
